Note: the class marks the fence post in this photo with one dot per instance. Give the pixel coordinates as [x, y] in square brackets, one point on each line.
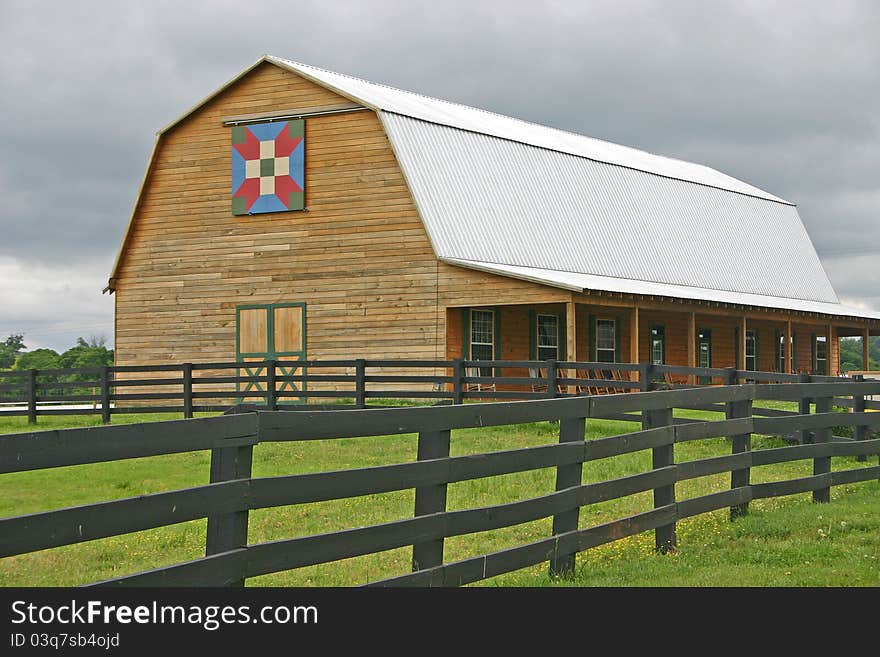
[457, 386]
[32, 396]
[187, 390]
[271, 388]
[860, 431]
[803, 435]
[105, 394]
[360, 383]
[822, 465]
[662, 457]
[551, 378]
[229, 531]
[646, 377]
[570, 430]
[430, 499]
[646, 372]
[740, 443]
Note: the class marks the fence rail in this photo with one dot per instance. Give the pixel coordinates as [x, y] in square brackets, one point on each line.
[233, 491]
[190, 388]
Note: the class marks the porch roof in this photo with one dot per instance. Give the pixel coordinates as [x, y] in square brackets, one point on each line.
[578, 282]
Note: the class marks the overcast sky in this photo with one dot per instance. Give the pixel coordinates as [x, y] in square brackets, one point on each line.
[783, 95]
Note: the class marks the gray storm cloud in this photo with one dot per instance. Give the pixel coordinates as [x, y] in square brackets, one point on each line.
[785, 96]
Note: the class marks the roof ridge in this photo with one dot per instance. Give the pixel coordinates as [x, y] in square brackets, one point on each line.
[498, 114]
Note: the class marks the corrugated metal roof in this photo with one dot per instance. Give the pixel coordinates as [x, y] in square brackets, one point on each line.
[434, 110]
[493, 200]
[583, 282]
[529, 201]
[492, 188]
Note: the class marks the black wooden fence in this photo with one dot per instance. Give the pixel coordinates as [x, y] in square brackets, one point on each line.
[233, 492]
[190, 388]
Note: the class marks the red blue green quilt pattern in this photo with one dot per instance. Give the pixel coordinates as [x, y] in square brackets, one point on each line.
[268, 167]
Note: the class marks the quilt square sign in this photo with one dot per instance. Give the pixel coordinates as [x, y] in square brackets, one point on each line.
[268, 167]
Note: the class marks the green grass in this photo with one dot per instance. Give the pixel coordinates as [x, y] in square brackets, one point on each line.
[777, 544]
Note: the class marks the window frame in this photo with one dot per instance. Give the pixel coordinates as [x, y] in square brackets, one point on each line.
[781, 352]
[538, 345]
[753, 334]
[658, 334]
[704, 337]
[613, 349]
[821, 339]
[484, 371]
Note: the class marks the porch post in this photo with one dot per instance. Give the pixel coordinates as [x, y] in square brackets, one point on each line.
[692, 346]
[866, 353]
[634, 341]
[571, 340]
[788, 346]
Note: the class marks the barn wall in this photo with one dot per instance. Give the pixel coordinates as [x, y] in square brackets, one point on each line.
[359, 257]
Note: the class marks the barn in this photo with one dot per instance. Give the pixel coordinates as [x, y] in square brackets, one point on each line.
[298, 213]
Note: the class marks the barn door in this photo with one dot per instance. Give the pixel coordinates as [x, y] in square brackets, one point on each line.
[272, 332]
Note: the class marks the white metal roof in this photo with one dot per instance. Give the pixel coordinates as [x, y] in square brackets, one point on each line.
[389, 99]
[518, 199]
[495, 200]
[491, 188]
[583, 282]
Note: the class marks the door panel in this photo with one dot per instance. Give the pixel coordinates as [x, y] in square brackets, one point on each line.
[253, 331]
[289, 329]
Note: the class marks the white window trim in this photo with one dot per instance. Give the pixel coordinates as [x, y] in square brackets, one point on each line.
[821, 339]
[661, 338]
[471, 342]
[538, 345]
[753, 355]
[613, 349]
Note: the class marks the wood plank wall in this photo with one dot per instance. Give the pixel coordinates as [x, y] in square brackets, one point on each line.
[359, 257]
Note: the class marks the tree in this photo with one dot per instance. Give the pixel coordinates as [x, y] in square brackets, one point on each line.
[10, 349]
[38, 359]
[87, 353]
[851, 354]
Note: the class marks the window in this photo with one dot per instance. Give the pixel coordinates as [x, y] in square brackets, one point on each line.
[606, 341]
[821, 351]
[658, 345]
[704, 353]
[705, 348]
[751, 351]
[780, 353]
[548, 337]
[483, 338]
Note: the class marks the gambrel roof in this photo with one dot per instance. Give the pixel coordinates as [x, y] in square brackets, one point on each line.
[528, 201]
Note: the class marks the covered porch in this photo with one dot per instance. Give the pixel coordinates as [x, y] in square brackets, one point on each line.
[599, 329]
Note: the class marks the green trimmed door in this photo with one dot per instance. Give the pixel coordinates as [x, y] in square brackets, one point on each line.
[275, 331]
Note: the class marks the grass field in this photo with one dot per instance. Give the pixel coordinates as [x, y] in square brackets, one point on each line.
[783, 542]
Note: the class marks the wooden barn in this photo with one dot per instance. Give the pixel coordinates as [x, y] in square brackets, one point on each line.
[298, 213]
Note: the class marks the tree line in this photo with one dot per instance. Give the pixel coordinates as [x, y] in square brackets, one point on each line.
[851, 354]
[88, 353]
[92, 352]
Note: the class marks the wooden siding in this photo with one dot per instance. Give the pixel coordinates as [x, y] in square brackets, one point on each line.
[359, 257]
